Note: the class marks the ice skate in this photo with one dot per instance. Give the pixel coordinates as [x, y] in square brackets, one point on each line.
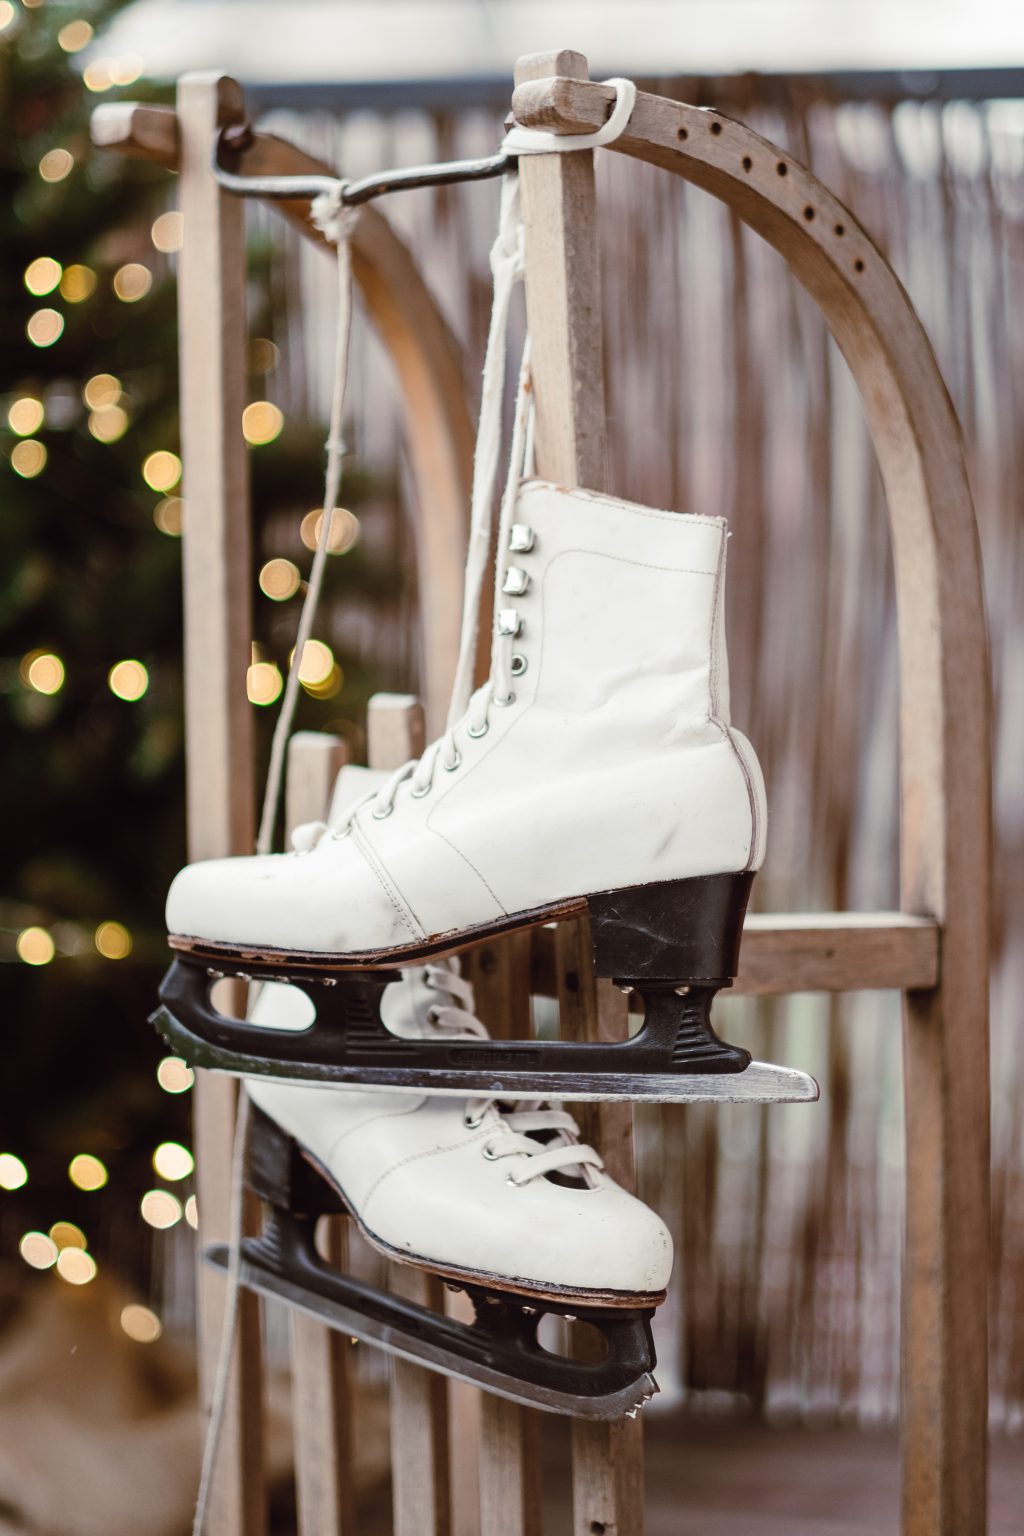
[595, 772]
[499, 1199]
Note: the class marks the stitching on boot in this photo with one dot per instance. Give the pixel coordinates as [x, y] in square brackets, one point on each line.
[417, 1157]
[394, 895]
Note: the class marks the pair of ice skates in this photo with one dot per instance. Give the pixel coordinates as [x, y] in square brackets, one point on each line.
[595, 773]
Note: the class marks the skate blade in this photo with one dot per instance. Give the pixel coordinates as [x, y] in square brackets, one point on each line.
[622, 1403]
[760, 1083]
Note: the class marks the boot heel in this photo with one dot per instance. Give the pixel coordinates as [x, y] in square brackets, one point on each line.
[676, 943]
[684, 931]
[279, 1174]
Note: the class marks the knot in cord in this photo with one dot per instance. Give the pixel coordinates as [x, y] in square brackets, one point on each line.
[333, 217]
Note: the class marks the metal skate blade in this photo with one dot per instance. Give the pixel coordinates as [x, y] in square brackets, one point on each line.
[434, 1355]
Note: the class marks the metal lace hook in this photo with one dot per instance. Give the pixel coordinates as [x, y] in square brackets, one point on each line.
[237, 138]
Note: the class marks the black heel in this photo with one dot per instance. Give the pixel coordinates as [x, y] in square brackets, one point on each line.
[676, 943]
[279, 1174]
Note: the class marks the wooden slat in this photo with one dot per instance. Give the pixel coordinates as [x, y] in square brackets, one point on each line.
[945, 758]
[150, 133]
[563, 304]
[323, 1386]
[816, 952]
[420, 1493]
[218, 725]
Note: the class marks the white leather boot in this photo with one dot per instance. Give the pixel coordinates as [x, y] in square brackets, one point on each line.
[494, 1193]
[598, 758]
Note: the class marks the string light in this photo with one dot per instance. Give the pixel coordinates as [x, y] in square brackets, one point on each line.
[109, 424]
[344, 530]
[192, 1213]
[43, 275]
[44, 327]
[13, 1173]
[101, 390]
[87, 1172]
[161, 470]
[140, 1324]
[128, 680]
[113, 941]
[160, 1209]
[43, 671]
[132, 282]
[77, 283]
[35, 946]
[66, 1235]
[28, 458]
[319, 673]
[280, 579]
[38, 1250]
[261, 355]
[75, 36]
[25, 416]
[96, 75]
[56, 164]
[168, 515]
[76, 1266]
[262, 422]
[7, 14]
[168, 231]
[263, 683]
[127, 70]
[172, 1161]
[175, 1075]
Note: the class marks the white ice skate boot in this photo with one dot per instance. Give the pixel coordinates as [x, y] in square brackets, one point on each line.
[595, 770]
[501, 1199]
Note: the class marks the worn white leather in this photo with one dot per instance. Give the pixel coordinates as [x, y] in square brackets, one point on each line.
[417, 1178]
[614, 766]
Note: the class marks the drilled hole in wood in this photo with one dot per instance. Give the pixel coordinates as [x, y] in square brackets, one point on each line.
[684, 133]
[782, 168]
[808, 214]
[840, 229]
[858, 265]
[747, 162]
[597, 1528]
[716, 127]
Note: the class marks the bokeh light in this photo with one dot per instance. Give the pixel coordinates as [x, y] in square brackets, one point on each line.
[344, 530]
[66, 1235]
[43, 275]
[172, 1161]
[43, 671]
[132, 282]
[108, 424]
[56, 164]
[96, 75]
[28, 458]
[168, 231]
[35, 946]
[160, 1209]
[44, 327]
[140, 1324]
[38, 1250]
[128, 680]
[261, 355]
[127, 70]
[13, 1173]
[168, 515]
[113, 941]
[263, 683]
[280, 579]
[161, 470]
[192, 1212]
[317, 662]
[175, 1075]
[87, 1172]
[76, 1266]
[75, 36]
[262, 422]
[101, 390]
[77, 283]
[26, 415]
[7, 14]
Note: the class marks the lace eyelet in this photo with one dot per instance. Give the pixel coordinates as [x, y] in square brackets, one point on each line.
[451, 767]
[481, 732]
[382, 815]
[342, 833]
[433, 1015]
[518, 665]
[510, 1178]
[505, 702]
[473, 1124]
[421, 794]
[487, 1150]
